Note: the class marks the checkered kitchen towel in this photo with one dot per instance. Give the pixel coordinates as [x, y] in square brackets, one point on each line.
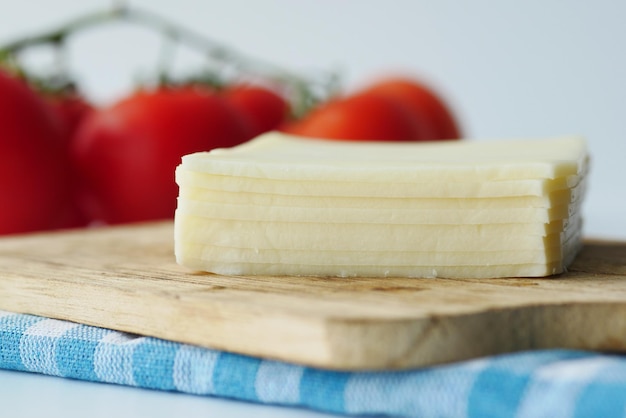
[553, 383]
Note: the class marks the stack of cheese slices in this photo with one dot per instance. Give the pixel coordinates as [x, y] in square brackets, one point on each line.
[285, 205]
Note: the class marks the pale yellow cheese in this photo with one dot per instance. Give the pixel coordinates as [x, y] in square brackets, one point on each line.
[555, 198]
[248, 255]
[387, 270]
[332, 215]
[284, 157]
[281, 205]
[368, 237]
[397, 187]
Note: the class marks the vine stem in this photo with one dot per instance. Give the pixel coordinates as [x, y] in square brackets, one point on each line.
[307, 91]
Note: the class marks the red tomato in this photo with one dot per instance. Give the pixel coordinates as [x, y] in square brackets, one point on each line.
[265, 109]
[434, 118]
[71, 109]
[127, 153]
[34, 174]
[364, 116]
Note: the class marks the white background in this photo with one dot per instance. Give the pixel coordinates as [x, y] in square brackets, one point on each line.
[510, 69]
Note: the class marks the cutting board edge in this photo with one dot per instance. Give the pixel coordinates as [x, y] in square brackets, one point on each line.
[353, 345]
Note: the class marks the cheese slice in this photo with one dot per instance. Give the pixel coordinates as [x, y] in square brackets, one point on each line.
[386, 270]
[395, 187]
[333, 215]
[367, 237]
[209, 253]
[282, 205]
[283, 157]
[555, 198]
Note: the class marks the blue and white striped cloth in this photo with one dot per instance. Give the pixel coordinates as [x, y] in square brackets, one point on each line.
[553, 383]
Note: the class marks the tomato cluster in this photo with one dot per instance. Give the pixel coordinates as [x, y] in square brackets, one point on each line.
[68, 164]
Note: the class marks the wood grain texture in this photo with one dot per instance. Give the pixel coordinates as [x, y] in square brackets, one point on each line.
[125, 278]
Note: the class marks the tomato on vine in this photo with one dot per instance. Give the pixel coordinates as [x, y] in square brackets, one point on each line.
[116, 164]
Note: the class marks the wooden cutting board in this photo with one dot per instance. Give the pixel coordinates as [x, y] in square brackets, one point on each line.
[125, 278]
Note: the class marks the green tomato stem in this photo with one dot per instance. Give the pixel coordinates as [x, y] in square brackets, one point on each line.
[305, 92]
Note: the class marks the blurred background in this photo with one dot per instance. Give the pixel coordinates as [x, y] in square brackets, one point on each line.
[509, 69]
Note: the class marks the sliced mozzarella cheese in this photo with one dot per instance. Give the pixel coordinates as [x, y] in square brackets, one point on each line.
[281, 205]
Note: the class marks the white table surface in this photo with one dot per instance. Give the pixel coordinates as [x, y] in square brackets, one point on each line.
[28, 395]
